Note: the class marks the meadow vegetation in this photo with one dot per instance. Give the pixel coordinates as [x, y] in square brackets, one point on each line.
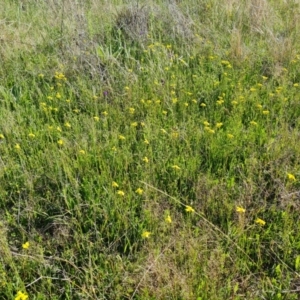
[149, 149]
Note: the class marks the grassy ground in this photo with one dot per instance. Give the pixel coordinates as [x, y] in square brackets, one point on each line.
[149, 150]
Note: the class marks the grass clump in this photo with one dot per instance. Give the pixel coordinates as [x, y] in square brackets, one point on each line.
[149, 151]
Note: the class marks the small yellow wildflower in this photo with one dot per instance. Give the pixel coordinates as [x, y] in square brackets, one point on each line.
[21, 296]
[174, 100]
[260, 222]
[234, 102]
[68, 125]
[96, 119]
[219, 125]
[189, 209]
[26, 245]
[76, 111]
[58, 129]
[253, 123]
[259, 106]
[114, 184]
[31, 135]
[266, 112]
[145, 159]
[121, 137]
[41, 75]
[174, 134]
[230, 136]
[240, 209]
[139, 191]
[206, 123]
[164, 112]
[264, 77]
[163, 131]
[105, 113]
[168, 219]
[220, 102]
[296, 84]
[134, 124]
[252, 89]
[126, 88]
[146, 234]
[58, 95]
[131, 110]
[1, 136]
[60, 142]
[17, 147]
[81, 152]
[175, 167]
[146, 142]
[203, 104]
[291, 177]
[120, 193]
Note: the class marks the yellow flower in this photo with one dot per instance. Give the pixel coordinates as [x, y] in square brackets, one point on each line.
[21, 296]
[296, 84]
[131, 110]
[31, 135]
[164, 112]
[96, 119]
[189, 209]
[134, 124]
[58, 95]
[17, 147]
[1, 136]
[175, 167]
[105, 113]
[81, 151]
[121, 137]
[146, 234]
[260, 222]
[265, 112]
[60, 142]
[146, 142]
[203, 104]
[41, 75]
[291, 177]
[139, 191]
[114, 184]
[230, 136]
[26, 245]
[253, 123]
[206, 123]
[240, 209]
[168, 219]
[126, 88]
[68, 125]
[219, 125]
[145, 159]
[120, 193]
